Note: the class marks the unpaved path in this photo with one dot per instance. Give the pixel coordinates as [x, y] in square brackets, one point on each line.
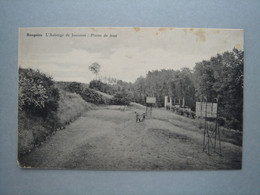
[110, 139]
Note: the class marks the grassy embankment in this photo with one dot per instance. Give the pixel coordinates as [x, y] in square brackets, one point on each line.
[46, 106]
[34, 130]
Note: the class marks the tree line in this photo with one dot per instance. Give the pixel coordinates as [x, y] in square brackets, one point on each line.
[219, 78]
[222, 77]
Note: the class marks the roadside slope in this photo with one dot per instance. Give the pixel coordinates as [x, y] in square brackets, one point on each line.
[34, 131]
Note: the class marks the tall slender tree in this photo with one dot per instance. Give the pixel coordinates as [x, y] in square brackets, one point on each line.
[95, 68]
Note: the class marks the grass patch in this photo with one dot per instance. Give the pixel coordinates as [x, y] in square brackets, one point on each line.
[226, 135]
[33, 130]
[71, 106]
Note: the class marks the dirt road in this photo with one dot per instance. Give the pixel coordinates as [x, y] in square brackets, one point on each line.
[110, 139]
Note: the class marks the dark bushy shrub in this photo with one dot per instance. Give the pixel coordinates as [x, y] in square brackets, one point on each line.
[89, 95]
[179, 111]
[182, 111]
[192, 114]
[37, 94]
[120, 99]
[92, 96]
[234, 124]
[103, 87]
[221, 121]
[74, 87]
[186, 113]
[37, 108]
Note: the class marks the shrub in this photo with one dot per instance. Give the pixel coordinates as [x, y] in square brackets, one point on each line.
[234, 124]
[186, 113]
[37, 94]
[192, 114]
[37, 108]
[100, 86]
[120, 99]
[221, 121]
[74, 87]
[180, 111]
[89, 95]
[92, 96]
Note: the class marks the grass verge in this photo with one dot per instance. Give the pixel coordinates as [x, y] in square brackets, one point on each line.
[33, 131]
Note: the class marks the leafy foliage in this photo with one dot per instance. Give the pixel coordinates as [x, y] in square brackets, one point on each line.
[74, 87]
[120, 99]
[89, 95]
[37, 94]
[103, 87]
[219, 77]
[31, 93]
[222, 77]
[92, 96]
[95, 68]
[37, 107]
[177, 84]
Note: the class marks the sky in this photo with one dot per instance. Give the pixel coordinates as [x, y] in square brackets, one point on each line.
[66, 53]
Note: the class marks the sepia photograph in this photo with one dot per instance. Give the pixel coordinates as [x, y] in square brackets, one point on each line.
[130, 98]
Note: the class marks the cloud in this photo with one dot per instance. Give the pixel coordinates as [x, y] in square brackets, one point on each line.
[130, 55]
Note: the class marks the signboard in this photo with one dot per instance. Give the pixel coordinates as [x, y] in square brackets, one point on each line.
[150, 100]
[206, 109]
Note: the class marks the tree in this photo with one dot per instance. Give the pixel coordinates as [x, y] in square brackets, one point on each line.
[140, 90]
[95, 68]
[222, 77]
[182, 87]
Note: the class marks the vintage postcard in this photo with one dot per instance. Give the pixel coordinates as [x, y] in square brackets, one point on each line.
[141, 98]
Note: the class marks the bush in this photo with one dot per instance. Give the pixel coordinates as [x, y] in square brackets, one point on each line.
[221, 121]
[180, 111]
[186, 113]
[100, 86]
[37, 108]
[233, 124]
[37, 94]
[120, 99]
[74, 87]
[192, 114]
[89, 95]
[92, 96]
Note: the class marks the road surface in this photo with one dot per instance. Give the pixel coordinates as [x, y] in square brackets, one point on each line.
[110, 139]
